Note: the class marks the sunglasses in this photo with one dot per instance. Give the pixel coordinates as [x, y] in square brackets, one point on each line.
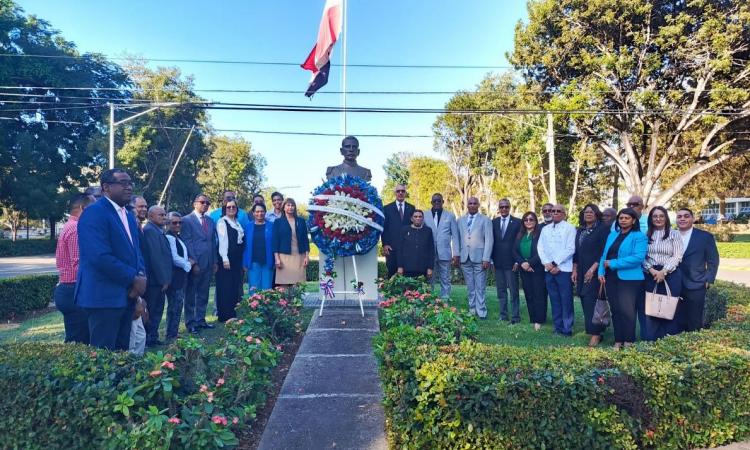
[632, 205]
[556, 211]
[398, 191]
[203, 202]
[123, 183]
[231, 207]
[546, 210]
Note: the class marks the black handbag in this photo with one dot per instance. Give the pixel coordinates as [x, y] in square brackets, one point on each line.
[602, 315]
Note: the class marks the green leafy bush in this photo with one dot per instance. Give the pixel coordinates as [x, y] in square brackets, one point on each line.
[26, 293]
[685, 391]
[192, 395]
[27, 247]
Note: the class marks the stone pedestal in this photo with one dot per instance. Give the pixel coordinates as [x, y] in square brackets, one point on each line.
[367, 269]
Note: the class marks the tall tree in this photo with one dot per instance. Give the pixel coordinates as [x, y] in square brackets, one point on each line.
[149, 146]
[428, 176]
[47, 131]
[232, 165]
[396, 169]
[664, 86]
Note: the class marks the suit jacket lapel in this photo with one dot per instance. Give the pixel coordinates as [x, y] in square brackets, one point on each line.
[118, 221]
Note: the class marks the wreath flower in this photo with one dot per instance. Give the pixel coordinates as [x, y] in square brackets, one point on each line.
[346, 219]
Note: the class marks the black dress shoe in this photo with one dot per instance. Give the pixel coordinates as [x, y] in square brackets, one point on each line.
[207, 326]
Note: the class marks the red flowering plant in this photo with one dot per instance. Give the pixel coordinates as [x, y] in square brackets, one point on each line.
[274, 313]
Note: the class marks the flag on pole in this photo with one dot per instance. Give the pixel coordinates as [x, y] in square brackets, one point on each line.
[319, 59]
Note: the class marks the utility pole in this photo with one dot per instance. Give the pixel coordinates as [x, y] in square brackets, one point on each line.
[171, 173]
[343, 66]
[113, 124]
[551, 154]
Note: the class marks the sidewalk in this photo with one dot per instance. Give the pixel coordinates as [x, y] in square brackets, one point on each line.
[331, 396]
[735, 269]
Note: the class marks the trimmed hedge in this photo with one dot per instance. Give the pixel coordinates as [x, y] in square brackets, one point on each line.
[192, 395]
[685, 391]
[27, 247]
[26, 293]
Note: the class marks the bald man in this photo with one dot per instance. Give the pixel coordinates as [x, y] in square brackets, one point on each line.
[158, 258]
[397, 216]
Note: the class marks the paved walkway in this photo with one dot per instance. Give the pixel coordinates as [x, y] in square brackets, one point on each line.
[735, 269]
[27, 265]
[331, 396]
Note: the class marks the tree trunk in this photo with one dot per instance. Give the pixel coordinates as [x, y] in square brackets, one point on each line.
[615, 187]
[52, 231]
[530, 183]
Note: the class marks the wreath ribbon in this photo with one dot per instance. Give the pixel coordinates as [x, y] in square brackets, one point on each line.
[327, 288]
[344, 212]
[356, 201]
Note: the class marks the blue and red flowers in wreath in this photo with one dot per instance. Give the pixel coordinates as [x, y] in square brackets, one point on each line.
[346, 218]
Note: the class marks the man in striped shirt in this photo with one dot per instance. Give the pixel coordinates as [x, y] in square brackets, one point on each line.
[66, 259]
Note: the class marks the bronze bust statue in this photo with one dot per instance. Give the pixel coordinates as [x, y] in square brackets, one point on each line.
[350, 151]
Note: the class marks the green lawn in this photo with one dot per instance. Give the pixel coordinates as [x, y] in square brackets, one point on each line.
[49, 327]
[493, 331]
[739, 248]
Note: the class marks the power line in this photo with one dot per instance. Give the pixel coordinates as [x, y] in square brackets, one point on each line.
[256, 63]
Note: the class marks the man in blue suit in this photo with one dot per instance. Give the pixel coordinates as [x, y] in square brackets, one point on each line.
[700, 262]
[111, 272]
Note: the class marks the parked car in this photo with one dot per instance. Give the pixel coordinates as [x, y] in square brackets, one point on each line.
[743, 215]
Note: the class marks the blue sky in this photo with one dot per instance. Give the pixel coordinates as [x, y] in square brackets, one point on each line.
[412, 32]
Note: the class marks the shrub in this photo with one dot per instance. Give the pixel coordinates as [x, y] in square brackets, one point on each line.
[685, 391]
[27, 247]
[192, 395]
[26, 293]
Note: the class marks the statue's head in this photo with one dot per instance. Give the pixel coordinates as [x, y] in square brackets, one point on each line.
[350, 149]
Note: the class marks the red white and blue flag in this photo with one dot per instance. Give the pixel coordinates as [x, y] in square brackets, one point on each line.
[319, 60]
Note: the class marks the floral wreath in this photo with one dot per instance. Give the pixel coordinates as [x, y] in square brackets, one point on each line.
[346, 219]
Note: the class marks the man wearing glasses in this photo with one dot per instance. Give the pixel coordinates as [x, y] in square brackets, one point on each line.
[445, 234]
[397, 216]
[111, 271]
[556, 248]
[505, 228]
[199, 235]
[546, 214]
[182, 263]
[636, 203]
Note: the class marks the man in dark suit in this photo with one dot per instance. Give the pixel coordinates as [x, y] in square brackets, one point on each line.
[397, 216]
[111, 271]
[700, 262]
[158, 258]
[199, 234]
[504, 230]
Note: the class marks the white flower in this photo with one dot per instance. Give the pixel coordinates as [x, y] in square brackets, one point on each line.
[342, 222]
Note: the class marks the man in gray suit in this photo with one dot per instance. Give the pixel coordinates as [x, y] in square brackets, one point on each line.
[475, 250]
[445, 233]
[199, 235]
[158, 259]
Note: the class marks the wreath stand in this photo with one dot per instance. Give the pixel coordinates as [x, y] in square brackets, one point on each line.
[358, 292]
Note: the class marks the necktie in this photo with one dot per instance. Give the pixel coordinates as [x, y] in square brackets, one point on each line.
[124, 220]
[436, 218]
[502, 227]
[471, 222]
[401, 211]
[204, 224]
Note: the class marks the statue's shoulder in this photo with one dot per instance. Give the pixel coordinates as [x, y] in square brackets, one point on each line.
[331, 169]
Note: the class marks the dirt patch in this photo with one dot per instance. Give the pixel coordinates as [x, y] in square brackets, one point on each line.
[250, 437]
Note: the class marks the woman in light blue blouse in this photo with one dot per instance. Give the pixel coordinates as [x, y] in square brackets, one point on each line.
[620, 270]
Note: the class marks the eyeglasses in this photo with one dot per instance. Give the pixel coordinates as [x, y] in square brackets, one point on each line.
[203, 202]
[556, 211]
[398, 191]
[504, 207]
[176, 222]
[529, 219]
[546, 210]
[231, 207]
[123, 183]
[437, 200]
[633, 205]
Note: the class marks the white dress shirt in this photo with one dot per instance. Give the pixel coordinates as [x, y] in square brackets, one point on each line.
[221, 231]
[557, 243]
[179, 261]
[685, 235]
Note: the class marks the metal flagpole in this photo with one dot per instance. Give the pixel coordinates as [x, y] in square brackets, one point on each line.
[343, 65]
